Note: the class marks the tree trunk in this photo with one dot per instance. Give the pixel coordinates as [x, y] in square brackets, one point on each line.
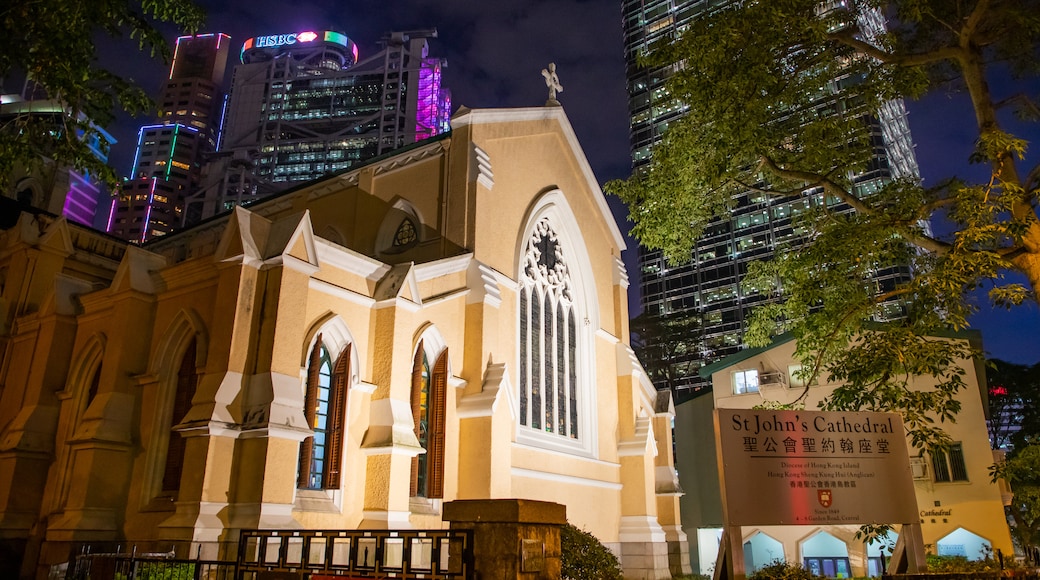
[1028, 262]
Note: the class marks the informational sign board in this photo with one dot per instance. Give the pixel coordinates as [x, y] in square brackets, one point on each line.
[814, 468]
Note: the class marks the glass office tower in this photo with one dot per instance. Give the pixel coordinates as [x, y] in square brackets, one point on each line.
[709, 285]
[305, 104]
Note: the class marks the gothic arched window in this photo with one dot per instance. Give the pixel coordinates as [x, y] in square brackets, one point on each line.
[187, 383]
[548, 390]
[429, 400]
[325, 402]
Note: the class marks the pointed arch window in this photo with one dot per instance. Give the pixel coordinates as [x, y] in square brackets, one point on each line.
[95, 384]
[325, 407]
[429, 399]
[548, 390]
[187, 384]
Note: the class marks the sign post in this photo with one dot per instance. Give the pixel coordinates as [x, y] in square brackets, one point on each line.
[813, 468]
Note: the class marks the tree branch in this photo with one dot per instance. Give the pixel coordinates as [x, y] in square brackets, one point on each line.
[832, 188]
[848, 38]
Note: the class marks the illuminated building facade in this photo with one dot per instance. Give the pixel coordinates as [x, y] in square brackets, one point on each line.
[354, 353]
[306, 104]
[709, 285]
[168, 162]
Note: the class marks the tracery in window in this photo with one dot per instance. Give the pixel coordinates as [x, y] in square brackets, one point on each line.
[548, 337]
[405, 235]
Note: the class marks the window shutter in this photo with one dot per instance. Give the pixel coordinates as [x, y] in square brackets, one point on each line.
[416, 397]
[95, 384]
[439, 394]
[337, 418]
[310, 405]
[187, 382]
[958, 471]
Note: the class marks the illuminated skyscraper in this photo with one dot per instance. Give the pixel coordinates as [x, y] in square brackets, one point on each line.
[305, 104]
[709, 285]
[168, 163]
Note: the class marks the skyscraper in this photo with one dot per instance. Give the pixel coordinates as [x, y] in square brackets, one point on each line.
[170, 153]
[304, 104]
[709, 285]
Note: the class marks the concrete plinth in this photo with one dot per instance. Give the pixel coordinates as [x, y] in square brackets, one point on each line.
[512, 538]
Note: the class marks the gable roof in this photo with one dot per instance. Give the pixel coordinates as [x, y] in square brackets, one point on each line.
[464, 117]
[706, 371]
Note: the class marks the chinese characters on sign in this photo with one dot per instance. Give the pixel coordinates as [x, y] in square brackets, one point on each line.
[813, 467]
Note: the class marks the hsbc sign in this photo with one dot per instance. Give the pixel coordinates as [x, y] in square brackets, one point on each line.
[284, 39]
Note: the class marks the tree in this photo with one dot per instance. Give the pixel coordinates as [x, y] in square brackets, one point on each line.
[782, 99]
[1022, 471]
[1014, 404]
[53, 43]
[669, 346]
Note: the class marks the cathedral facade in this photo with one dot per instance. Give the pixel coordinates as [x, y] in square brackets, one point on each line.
[445, 322]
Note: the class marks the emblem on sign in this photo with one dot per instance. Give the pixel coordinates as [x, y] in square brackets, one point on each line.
[825, 497]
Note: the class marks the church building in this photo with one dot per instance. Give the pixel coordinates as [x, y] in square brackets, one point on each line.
[445, 322]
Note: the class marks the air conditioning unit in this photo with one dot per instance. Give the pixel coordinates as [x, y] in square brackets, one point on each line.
[772, 379]
[919, 468]
[770, 382]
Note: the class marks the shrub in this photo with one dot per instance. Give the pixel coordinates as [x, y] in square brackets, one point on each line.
[585, 558]
[960, 564]
[780, 570]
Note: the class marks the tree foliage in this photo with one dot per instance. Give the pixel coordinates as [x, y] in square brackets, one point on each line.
[669, 346]
[53, 43]
[1021, 470]
[783, 100]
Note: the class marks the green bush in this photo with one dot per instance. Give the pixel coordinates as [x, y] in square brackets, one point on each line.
[961, 564]
[585, 558]
[780, 570]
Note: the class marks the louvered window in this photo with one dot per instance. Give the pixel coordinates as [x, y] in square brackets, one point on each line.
[95, 383]
[429, 399]
[325, 402]
[187, 383]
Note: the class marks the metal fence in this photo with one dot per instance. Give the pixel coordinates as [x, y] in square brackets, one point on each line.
[405, 554]
[133, 566]
[314, 554]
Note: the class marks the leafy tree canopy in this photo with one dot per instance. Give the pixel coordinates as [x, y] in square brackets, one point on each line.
[1022, 471]
[782, 100]
[53, 43]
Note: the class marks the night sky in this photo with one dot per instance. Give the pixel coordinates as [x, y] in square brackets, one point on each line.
[495, 52]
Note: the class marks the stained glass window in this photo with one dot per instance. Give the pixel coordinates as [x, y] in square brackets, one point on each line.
[548, 396]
